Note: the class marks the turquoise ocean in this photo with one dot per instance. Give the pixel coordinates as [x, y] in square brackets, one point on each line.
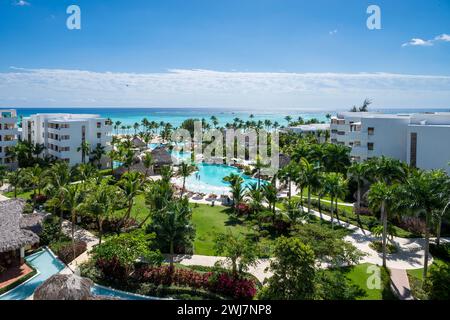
[129, 116]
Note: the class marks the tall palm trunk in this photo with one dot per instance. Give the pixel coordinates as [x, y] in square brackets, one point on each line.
[320, 206]
[427, 246]
[73, 234]
[358, 206]
[289, 189]
[332, 212]
[171, 252]
[100, 230]
[336, 209]
[438, 231]
[309, 199]
[384, 239]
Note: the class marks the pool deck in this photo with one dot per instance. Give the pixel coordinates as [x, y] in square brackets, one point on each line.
[13, 274]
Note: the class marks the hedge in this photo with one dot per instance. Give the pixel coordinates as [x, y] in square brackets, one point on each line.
[19, 281]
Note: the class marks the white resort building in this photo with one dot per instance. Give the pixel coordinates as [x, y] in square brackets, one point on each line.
[8, 136]
[421, 139]
[63, 134]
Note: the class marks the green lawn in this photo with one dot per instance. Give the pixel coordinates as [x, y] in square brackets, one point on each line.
[22, 195]
[358, 275]
[208, 222]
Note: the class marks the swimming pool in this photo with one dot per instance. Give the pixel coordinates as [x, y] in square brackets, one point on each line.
[211, 179]
[46, 265]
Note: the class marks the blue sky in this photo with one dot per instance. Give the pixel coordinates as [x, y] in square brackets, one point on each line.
[305, 54]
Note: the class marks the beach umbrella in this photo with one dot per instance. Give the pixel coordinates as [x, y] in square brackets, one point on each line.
[65, 287]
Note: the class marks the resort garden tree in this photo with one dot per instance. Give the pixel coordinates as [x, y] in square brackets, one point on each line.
[384, 198]
[131, 185]
[85, 150]
[15, 179]
[310, 172]
[240, 252]
[74, 203]
[97, 154]
[84, 172]
[36, 176]
[271, 196]
[3, 174]
[148, 162]
[58, 180]
[335, 186]
[184, 171]
[423, 193]
[173, 227]
[101, 202]
[256, 198]
[294, 272]
[358, 172]
[288, 174]
[237, 190]
[158, 194]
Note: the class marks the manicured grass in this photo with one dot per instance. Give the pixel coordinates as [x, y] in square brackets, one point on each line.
[22, 195]
[208, 222]
[359, 276]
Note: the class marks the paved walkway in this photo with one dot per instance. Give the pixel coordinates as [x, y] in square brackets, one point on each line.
[259, 271]
[81, 235]
[400, 284]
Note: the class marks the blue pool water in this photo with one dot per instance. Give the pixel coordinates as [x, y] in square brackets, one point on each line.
[211, 178]
[104, 291]
[46, 264]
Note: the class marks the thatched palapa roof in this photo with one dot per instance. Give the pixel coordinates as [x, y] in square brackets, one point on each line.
[161, 156]
[64, 287]
[13, 227]
[138, 143]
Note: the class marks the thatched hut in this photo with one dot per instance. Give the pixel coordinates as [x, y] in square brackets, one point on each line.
[16, 232]
[67, 287]
[64, 287]
[138, 143]
[161, 158]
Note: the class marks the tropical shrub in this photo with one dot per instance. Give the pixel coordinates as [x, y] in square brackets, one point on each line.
[50, 231]
[438, 282]
[442, 251]
[64, 250]
[231, 286]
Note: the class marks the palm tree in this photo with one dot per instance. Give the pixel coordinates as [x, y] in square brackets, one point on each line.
[85, 149]
[97, 155]
[334, 185]
[85, 172]
[256, 198]
[185, 170]
[74, 203]
[131, 185]
[357, 172]
[383, 197]
[258, 166]
[310, 173]
[271, 196]
[288, 119]
[3, 173]
[173, 223]
[237, 189]
[288, 174]
[423, 193]
[101, 203]
[117, 125]
[15, 179]
[148, 163]
[59, 179]
[36, 176]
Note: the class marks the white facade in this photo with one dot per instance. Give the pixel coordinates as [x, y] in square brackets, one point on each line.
[63, 134]
[8, 136]
[317, 129]
[421, 140]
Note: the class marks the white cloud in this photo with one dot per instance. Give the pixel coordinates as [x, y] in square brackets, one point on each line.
[333, 32]
[443, 37]
[418, 42]
[427, 43]
[206, 88]
[21, 3]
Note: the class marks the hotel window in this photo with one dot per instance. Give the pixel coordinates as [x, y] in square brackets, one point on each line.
[357, 143]
[99, 124]
[370, 131]
[370, 146]
[99, 135]
[413, 150]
